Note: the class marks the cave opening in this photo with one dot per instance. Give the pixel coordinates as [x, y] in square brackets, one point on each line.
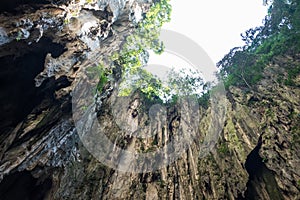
[22, 185]
[18, 92]
[11, 5]
[261, 179]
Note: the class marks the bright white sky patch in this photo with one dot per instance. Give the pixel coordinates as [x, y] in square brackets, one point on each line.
[215, 25]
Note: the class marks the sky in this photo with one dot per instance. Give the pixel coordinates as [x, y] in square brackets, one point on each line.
[215, 25]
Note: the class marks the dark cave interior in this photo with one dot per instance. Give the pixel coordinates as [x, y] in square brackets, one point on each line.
[18, 92]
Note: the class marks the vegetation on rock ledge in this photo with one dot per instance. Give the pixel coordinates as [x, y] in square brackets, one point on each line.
[279, 35]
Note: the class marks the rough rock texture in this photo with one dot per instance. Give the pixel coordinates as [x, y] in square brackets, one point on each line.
[46, 47]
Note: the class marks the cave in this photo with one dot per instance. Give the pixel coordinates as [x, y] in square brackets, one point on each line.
[22, 185]
[260, 178]
[18, 92]
[11, 5]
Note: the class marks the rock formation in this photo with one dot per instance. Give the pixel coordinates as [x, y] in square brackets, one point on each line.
[45, 46]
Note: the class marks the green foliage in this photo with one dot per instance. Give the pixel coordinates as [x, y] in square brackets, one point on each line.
[270, 113]
[264, 159]
[280, 35]
[292, 73]
[146, 37]
[289, 82]
[84, 108]
[149, 28]
[203, 101]
[271, 47]
[185, 81]
[143, 81]
[99, 72]
[102, 82]
[19, 36]
[134, 56]
[240, 68]
[223, 148]
[283, 18]
[278, 44]
[134, 53]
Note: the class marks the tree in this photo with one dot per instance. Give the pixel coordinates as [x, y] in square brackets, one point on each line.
[134, 54]
[186, 81]
[243, 66]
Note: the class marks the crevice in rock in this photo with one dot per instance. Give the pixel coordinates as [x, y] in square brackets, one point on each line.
[261, 183]
[11, 5]
[18, 92]
[22, 185]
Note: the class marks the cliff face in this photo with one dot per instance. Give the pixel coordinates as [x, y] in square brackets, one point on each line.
[45, 48]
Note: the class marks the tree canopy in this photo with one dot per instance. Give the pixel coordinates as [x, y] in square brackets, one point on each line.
[134, 56]
[279, 34]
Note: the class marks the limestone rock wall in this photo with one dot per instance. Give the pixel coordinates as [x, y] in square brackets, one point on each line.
[44, 49]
